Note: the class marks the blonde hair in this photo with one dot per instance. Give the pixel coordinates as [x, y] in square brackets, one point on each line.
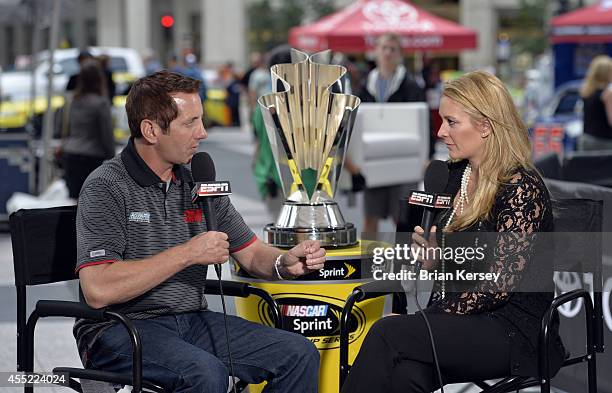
[487, 101]
[598, 75]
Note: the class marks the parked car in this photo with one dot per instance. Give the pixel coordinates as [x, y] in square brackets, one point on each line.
[560, 124]
[216, 111]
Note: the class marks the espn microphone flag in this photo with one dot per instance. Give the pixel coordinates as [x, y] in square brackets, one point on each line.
[436, 178]
[204, 174]
[210, 189]
[427, 199]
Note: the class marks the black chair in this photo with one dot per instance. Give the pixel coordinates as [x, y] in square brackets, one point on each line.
[593, 167]
[44, 251]
[549, 166]
[570, 215]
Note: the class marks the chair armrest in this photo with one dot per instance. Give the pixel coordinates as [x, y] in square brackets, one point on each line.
[230, 288]
[60, 308]
[105, 376]
[363, 292]
[241, 289]
[376, 289]
[57, 308]
[544, 365]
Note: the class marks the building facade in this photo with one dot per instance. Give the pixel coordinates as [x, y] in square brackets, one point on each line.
[213, 30]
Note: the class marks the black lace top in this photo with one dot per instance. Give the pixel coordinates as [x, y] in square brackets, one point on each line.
[522, 208]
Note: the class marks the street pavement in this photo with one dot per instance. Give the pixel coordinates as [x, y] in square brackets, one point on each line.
[232, 151]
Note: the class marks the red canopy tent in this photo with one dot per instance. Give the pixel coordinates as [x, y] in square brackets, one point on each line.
[355, 28]
[591, 24]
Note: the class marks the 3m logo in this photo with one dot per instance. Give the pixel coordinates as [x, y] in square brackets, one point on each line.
[140, 217]
[192, 215]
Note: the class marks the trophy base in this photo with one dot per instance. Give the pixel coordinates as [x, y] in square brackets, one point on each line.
[329, 237]
[322, 221]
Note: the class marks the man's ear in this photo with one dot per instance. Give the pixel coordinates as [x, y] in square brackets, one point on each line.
[150, 131]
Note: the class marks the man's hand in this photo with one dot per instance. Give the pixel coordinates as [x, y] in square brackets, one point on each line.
[303, 258]
[207, 248]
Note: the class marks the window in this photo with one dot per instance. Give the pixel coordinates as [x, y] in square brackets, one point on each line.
[567, 103]
[117, 64]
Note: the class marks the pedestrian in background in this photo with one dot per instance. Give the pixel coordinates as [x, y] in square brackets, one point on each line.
[88, 139]
[388, 82]
[596, 93]
[192, 70]
[232, 88]
[108, 75]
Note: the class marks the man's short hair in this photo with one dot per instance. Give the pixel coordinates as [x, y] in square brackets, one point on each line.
[150, 98]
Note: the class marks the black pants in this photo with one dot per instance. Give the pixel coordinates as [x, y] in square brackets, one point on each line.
[76, 169]
[396, 354]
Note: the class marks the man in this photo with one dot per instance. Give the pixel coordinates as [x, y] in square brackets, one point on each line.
[388, 82]
[193, 71]
[143, 249]
[74, 78]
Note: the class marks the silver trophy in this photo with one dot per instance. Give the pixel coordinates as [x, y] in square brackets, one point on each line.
[309, 127]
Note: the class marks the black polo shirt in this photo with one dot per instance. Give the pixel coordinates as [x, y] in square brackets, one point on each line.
[126, 212]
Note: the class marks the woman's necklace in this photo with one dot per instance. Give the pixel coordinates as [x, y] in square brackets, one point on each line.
[463, 200]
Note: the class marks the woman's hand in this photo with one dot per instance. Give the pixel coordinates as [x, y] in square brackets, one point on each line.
[422, 249]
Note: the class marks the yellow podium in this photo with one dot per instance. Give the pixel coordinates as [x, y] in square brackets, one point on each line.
[311, 306]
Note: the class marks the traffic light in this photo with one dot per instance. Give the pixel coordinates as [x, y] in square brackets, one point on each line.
[167, 21]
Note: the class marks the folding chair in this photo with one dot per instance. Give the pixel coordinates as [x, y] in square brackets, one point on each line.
[570, 215]
[44, 251]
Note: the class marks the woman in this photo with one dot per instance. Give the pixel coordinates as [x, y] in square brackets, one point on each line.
[89, 139]
[489, 330]
[596, 94]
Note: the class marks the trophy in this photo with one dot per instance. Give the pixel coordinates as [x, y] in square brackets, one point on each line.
[309, 127]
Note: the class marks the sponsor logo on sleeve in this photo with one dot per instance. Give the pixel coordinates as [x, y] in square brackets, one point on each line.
[140, 217]
[97, 253]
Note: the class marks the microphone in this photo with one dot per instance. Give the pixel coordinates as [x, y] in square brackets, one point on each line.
[436, 177]
[433, 198]
[206, 189]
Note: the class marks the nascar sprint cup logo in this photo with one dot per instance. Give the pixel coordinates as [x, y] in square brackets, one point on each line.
[318, 318]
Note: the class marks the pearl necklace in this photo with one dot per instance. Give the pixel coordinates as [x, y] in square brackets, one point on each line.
[463, 200]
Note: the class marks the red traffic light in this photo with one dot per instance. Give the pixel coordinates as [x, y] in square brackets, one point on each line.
[167, 21]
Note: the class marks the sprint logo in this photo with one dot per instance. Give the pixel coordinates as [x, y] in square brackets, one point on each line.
[337, 272]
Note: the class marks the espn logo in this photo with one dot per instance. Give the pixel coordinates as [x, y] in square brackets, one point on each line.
[214, 188]
[421, 198]
[442, 202]
[436, 201]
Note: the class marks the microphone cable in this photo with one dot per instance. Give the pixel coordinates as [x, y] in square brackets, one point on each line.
[227, 338]
[429, 330]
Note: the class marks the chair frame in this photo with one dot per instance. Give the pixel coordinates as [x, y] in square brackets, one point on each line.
[58, 308]
[593, 322]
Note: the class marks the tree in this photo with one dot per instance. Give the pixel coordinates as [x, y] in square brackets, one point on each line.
[269, 26]
[531, 18]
